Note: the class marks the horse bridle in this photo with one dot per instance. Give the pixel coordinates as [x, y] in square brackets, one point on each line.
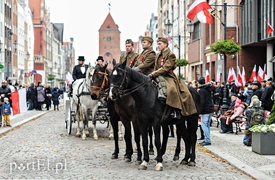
[124, 92]
[104, 82]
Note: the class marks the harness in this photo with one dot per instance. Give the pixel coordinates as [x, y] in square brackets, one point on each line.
[126, 92]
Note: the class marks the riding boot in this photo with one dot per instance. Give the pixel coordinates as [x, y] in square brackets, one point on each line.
[166, 113]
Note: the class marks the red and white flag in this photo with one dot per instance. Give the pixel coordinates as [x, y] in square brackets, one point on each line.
[260, 75]
[253, 76]
[243, 77]
[269, 28]
[19, 101]
[207, 77]
[230, 75]
[239, 78]
[200, 8]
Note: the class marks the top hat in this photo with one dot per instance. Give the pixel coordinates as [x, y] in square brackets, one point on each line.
[100, 58]
[81, 58]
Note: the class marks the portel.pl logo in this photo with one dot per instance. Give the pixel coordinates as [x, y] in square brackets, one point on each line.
[39, 165]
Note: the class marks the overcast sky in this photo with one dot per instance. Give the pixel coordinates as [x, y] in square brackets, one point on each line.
[83, 18]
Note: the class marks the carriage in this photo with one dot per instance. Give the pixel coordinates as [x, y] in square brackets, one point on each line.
[83, 107]
[101, 115]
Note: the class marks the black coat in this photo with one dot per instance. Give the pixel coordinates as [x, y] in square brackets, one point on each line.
[206, 100]
[266, 100]
[77, 74]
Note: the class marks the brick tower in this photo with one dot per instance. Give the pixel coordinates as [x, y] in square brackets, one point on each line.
[109, 40]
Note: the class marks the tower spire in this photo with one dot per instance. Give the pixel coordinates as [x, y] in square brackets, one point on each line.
[109, 6]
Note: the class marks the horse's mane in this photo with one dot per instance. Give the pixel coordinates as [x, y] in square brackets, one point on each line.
[136, 76]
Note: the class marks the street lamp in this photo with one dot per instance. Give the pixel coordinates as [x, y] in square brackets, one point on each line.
[190, 29]
[225, 94]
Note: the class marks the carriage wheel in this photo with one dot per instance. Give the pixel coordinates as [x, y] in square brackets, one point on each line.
[69, 122]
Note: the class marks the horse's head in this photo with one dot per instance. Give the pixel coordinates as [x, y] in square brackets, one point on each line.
[118, 80]
[100, 81]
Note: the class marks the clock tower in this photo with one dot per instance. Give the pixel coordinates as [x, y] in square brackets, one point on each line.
[109, 40]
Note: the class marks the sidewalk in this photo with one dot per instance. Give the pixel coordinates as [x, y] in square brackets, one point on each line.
[230, 148]
[24, 117]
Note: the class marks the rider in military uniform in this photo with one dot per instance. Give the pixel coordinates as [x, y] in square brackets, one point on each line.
[146, 60]
[79, 71]
[178, 96]
[130, 56]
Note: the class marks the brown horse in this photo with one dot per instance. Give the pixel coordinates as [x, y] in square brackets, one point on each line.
[120, 110]
[149, 110]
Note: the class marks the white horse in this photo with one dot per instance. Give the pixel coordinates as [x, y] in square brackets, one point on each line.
[84, 106]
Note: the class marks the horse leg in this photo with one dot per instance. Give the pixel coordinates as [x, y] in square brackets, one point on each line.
[114, 118]
[85, 122]
[120, 130]
[178, 148]
[192, 126]
[128, 140]
[144, 135]
[137, 140]
[165, 132]
[151, 147]
[78, 124]
[111, 132]
[184, 134]
[159, 166]
[94, 124]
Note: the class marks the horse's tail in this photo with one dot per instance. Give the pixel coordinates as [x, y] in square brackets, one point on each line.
[196, 97]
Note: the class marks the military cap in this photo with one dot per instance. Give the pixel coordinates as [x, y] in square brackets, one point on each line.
[100, 58]
[129, 41]
[162, 39]
[147, 38]
[81, 58]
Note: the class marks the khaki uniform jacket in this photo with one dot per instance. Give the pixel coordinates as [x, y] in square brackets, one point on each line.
[146, 61]
[131, 58]
[178, 95]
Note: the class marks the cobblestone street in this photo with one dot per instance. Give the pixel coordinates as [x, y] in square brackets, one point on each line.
[42, 149]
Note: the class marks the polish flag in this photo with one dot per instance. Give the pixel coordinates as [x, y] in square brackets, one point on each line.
[230, 75]
[243, 77]
[207, 77]
[260, 75]
[19, 101]
[200, 8]
[253, 76]
[269, 28]
[239, 78]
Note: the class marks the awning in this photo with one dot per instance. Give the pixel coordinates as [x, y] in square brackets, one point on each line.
[272, 59]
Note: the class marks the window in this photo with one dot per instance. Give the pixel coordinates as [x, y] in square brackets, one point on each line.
[196, 34]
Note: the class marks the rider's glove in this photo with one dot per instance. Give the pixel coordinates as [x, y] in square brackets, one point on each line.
[151, 76]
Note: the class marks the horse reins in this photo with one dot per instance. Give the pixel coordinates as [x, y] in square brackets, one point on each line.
[126, 92]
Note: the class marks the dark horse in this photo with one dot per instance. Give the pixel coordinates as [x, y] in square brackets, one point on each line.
[149, 110]
[120, 110]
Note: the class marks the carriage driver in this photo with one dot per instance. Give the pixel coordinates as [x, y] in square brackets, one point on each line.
[178, 96]
[79, 71]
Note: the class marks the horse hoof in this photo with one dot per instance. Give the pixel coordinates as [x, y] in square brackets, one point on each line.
[176, 158]
[184, 162]
[120, 138]
[95, 137]
[84, 138]
[142, 167]
[114, 156]
[192, 163]
[151, 152]
[159, 167]
[139, 161]
[111, 137]
[128, 159]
